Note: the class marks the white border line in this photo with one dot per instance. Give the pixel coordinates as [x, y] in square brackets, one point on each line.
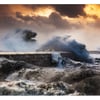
[49, 1]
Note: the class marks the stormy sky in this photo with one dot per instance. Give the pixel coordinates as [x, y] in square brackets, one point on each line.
[82, 22]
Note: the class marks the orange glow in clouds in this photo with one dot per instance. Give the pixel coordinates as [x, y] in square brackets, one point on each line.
[44, 11]
[92, 10]
[40, 11]
[22, 9]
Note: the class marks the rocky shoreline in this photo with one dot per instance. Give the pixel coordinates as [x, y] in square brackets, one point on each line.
[75, 78]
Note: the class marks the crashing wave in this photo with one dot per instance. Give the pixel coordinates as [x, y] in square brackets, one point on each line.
[19, 40]
[68, 45]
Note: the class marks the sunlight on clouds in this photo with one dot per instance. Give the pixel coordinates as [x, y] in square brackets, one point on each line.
[40, 11]
[92, 10]
[22, 9]
[44, 11]
[80, 19]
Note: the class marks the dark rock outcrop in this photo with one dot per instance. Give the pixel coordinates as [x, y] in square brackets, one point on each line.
[79, 76]
[8, 67]
[89, 86]
[29, 35]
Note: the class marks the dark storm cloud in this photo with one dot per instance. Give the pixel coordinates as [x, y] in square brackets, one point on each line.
[67, 10]
[35, 6]
[54, 21]
[51, 23]
[4, 10]
[58, 22]
[40, 23]
[70, 10]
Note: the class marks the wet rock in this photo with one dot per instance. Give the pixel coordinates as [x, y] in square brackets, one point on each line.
[11, 91]
[34, 91]
[89, 86]
[56, 88]
[32, 74]
[70, 62]
[79, 75]
[57, 77]
[25, 88]
[29, 35]
[8, 67]
[24, 80]
[21, 84]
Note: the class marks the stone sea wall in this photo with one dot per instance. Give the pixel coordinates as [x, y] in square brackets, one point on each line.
[37, 58]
